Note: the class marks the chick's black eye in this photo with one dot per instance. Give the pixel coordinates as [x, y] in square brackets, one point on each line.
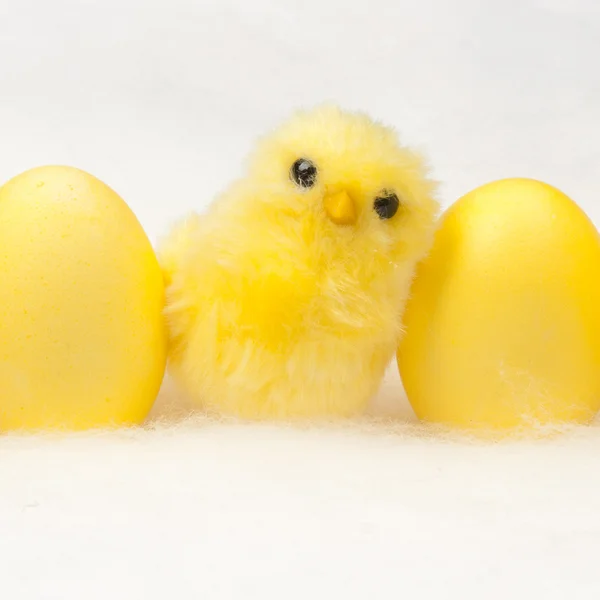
[304, 173]
[386, 205]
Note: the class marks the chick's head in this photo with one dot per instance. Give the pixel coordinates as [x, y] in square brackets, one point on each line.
[350, 181]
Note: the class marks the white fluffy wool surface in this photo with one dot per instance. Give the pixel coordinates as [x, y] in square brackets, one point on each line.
[162, 100]
[193, 508]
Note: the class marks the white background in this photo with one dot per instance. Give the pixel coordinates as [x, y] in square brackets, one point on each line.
[162, 100]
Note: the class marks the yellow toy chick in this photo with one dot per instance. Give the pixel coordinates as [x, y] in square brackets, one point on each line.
[285, 299]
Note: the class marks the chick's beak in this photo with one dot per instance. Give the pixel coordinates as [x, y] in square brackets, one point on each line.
[340, 208]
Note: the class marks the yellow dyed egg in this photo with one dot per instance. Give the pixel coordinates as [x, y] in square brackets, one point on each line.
[503, 323]
[82, 339]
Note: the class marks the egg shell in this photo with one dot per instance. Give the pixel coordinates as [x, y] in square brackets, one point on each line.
[502, 329]
[82, 338]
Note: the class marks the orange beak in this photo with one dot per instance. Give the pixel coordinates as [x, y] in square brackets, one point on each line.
[340, 208]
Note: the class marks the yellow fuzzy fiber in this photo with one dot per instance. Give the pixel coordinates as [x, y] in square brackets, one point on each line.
[276, 311]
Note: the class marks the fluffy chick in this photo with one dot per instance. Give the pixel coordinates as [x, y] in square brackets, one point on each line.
[285, 298]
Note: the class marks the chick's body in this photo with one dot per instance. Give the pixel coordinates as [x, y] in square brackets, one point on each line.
[285, 299]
